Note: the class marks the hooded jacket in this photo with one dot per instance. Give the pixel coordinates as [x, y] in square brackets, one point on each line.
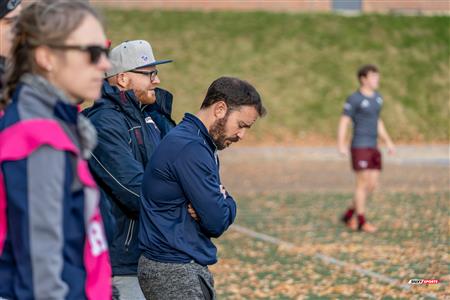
[127, 137]
[161, 111]
[52, 242]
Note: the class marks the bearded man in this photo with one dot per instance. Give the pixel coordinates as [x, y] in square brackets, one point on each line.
[184, 204]
[127, 135]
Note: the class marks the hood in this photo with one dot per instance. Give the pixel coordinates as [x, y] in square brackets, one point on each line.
[112, 97]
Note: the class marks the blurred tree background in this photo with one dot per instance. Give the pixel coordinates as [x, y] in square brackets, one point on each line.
[304, 66]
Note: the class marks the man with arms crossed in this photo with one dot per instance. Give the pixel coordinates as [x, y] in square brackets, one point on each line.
[182, 175]
[363, 109]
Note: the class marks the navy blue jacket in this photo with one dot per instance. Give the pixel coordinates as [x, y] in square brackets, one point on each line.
[126, 141]
[184, 169]
[161, 111]
[47, 200]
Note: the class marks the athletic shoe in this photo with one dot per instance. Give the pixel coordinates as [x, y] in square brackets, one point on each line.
[367, 227]
[351, 223]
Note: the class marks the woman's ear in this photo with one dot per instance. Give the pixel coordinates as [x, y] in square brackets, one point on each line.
[220, 109]
[44, 58]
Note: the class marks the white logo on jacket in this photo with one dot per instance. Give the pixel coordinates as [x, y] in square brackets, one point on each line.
[149, 120]
[97, 238]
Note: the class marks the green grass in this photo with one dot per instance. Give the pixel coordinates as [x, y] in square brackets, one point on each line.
[412, 242]
[303, 65]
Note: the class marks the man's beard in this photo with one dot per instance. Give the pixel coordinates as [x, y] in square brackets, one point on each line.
[217, 133]
[145, 97]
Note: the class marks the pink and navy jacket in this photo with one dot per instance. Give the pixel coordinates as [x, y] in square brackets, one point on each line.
[52, 243]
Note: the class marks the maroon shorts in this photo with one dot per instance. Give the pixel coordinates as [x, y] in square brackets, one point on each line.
[366, 159]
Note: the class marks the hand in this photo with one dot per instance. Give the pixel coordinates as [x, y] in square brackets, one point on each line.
[343, 150]
[192, 212]
[391, 148]
[223, 191]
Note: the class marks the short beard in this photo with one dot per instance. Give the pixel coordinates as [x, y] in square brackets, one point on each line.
[143, 97]
[217, 133]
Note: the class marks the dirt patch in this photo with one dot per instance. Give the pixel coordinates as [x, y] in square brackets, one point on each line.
[295, 169]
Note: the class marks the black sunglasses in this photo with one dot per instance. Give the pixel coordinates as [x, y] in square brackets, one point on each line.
[95, 52]
[151, 74]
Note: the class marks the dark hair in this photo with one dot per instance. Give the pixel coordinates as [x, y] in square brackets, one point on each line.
[235, 93]
[42, 22]
[366, 69]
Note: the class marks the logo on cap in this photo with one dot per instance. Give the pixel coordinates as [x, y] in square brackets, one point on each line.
[12, 4]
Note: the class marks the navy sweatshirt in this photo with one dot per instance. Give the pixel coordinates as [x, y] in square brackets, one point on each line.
[184, 169]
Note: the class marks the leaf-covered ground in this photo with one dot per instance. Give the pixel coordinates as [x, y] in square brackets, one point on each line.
[412, 242]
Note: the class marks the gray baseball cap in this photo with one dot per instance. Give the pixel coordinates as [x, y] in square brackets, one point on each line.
[6, 6]
[132, 55]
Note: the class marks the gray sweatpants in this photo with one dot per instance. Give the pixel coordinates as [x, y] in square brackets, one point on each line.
[128, 288]
[173, 281]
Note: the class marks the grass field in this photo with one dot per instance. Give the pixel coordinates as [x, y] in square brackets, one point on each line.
[412, 243]
[296, 195]
[304, 65]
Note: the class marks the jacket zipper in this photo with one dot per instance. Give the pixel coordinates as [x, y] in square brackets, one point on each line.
[129, 235]
[143, 107]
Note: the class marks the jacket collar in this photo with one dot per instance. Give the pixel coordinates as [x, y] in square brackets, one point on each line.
[125, 100]
[54, 98]
[163, 104]
[164, 100]
[201, 129]
[50, 93]
[121, 98]
[64, 110]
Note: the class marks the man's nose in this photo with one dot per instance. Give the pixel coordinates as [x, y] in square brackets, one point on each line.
[156, 80]
[241, 133]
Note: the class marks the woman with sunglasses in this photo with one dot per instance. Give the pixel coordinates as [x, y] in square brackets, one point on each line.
[52, 243]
